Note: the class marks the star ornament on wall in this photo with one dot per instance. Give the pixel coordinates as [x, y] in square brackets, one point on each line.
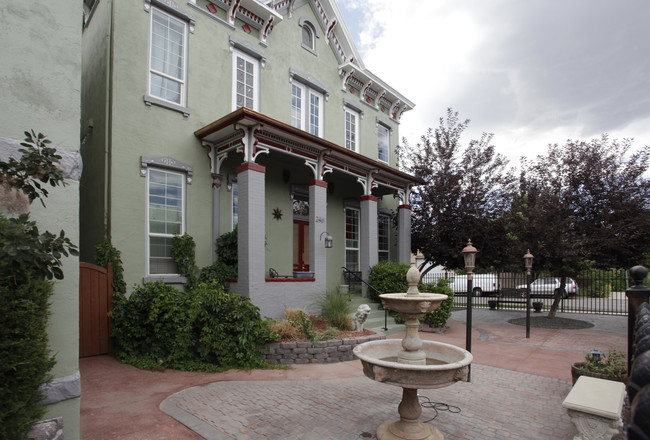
[277, 214]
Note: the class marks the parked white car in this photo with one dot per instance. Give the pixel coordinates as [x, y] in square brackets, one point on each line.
[549, 286]
[483, 284]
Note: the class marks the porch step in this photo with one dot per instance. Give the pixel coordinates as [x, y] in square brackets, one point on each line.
[375, 319]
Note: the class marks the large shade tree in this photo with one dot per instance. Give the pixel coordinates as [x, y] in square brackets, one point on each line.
[585, 200]
[464, 197]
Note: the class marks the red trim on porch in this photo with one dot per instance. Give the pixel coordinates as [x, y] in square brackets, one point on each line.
[288, 280]
[404, 207]
[320, 183]
[251, 166]
[369, 197]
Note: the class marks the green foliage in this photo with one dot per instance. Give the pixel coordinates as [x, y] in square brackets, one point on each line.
[439, 317]
[300, 320]
[600, 283]
[26, 359]
[202, 329]
[24, 250]
[106, 253]
[613, 364]
[37, 165]
[183, 253]
[218, 272]
[335, 308]
[387, 277]
[227, 248]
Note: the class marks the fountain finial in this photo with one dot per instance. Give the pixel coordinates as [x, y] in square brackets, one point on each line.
[413, 278]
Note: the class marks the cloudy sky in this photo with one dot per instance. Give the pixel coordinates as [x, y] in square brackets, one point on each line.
[532, 72]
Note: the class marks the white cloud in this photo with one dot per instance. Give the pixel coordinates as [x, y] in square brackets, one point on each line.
[532, 73]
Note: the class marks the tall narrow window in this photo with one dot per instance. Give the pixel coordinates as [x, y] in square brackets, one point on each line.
[382, 143]
[352, 239]
[235, 205]
[165, 217]
[351, 130]
[306, 109]
[245, 81]
[167, 58]
[383, 234]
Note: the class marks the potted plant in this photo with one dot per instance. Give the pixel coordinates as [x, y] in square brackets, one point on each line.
[537, 306]
[610, 366]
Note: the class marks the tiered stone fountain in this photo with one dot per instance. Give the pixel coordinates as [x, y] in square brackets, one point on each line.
[412, 363]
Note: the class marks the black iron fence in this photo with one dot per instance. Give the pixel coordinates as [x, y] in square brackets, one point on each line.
[589, 291]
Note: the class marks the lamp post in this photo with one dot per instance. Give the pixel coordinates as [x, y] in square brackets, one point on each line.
[469, 254]
[528, 262]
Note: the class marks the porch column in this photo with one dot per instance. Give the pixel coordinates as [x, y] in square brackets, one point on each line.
[404, 233]
[317, 227]
[368, 237]
[216, 203]
[251, 229]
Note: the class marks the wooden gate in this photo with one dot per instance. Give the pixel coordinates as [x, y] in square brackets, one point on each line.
[95, 296]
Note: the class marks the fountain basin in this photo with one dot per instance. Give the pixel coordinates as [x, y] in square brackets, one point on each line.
[405, 304]
[452, 364]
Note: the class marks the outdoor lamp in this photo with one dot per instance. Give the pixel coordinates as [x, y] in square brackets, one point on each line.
[329, 241]
[595, 355]
[469, 254]
[528, 262]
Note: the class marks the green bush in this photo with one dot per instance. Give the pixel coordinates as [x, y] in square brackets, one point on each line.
[106, 253]
[387, 277]
[184, 254]
[335, 308]
[203, 329]
[26, 359]
[218, 272]
[227, 248]
[438, 318]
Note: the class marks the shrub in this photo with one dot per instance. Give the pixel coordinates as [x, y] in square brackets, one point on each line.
[387, 277]
[26, 359]
[183, 252]
[218, 272]
[203, 329]
[227, 248]
[283, 329]
[106, 253]
[335, 308]
[439, 317]
[613, 364]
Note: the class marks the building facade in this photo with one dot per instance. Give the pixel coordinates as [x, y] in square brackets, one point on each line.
[202, 116]
[40, 90]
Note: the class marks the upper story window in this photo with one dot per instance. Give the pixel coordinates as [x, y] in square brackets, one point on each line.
[167, 58]
[307, 109]
[382, 142]
[352, 118]
[309, 35]
[245, 73]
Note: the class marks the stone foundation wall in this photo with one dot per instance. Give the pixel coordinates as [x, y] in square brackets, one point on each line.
[51, 429]
[335, 350]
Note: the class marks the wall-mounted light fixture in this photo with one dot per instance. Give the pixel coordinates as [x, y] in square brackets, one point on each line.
[329, 241]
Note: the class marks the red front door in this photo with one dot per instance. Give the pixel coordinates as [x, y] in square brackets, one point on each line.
[300, 245]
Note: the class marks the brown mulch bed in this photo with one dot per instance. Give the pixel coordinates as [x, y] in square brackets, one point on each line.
[320, 326]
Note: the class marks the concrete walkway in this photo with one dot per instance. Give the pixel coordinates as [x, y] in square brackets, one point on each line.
[516, 391]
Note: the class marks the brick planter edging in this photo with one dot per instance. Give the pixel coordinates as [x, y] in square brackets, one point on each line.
[334, 350]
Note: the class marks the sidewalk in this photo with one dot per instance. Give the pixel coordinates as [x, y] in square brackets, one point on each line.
[517, 388]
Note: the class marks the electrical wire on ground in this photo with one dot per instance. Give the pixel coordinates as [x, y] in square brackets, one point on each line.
[437, 407]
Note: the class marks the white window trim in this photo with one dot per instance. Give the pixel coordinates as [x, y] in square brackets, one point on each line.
[345, 231]
[388, 131]
[357, 115]
[188, 27]
[387, 250]
[256, 78]
[305, 110]
[166, 277]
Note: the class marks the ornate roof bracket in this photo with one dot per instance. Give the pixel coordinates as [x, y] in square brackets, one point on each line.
[268, 28]
[365, 88]
[394, 109]
[221, 157]
[232, 12]
[346, 78]
[364, 183]
[313, 166]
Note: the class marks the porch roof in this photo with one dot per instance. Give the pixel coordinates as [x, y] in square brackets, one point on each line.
[226, 134]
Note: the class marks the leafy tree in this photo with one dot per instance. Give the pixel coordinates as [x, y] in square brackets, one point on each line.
[585, 200]
[465, 194]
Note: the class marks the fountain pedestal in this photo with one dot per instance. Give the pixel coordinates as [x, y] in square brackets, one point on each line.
[416, 365]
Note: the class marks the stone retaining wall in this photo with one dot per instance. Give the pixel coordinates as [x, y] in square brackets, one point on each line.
[334, 350]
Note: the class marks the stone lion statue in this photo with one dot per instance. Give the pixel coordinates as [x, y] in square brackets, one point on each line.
[360, 316]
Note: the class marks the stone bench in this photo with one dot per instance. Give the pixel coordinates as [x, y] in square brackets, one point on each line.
[595, 406]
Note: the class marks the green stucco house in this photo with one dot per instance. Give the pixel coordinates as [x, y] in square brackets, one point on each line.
[40, 90]
[201, 116]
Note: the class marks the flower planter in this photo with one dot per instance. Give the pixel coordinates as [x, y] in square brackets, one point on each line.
[537, 306]
[302, 274]
[577, 371]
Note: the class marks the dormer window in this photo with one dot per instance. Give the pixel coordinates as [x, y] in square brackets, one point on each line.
[309, 35]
